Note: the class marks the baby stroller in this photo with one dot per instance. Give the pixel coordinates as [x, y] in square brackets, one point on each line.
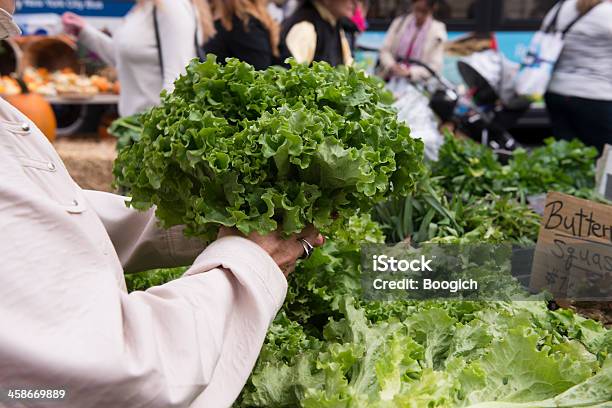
[488, 109]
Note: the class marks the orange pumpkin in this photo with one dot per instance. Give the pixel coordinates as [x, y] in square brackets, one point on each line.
[37, 109]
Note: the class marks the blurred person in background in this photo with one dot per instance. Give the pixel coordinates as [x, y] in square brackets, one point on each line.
[276, 10]
[290, 6]
[415, 36]
[150, 49]
[245, 30]
[357, 24]
[314, 32]
[579, 98]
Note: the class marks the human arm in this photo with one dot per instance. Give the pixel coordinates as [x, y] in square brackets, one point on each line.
[387, 57]
[196, 338]
[138, 240]
[90, 37]
[72, 327]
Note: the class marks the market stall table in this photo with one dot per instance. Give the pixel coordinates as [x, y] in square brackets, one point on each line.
[101, 99]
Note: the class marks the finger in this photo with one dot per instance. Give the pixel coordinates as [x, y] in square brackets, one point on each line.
[288, 270]
[309, 232]
[319, 240]
[291, 252]
[313, 237]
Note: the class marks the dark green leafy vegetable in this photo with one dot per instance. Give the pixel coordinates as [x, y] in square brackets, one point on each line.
[127, 130]
[468, 169]
[148, 279]
[261, 150]
[430, 216]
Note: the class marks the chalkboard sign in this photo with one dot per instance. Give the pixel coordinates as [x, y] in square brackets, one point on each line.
[573, 257]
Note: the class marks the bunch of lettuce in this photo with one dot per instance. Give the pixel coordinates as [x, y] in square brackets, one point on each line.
[437, 354]
[267, 150]
[329, 348]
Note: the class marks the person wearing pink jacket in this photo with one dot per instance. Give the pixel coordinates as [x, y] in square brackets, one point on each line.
[67, 321]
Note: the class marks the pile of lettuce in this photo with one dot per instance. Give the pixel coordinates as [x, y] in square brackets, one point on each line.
[267, 150]
[329, 348]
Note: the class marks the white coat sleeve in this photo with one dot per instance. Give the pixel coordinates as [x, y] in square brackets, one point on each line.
[138, 240]
[195, 340]
[98, 42]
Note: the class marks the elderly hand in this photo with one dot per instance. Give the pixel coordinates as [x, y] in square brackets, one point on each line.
[73, 24]
[285, 252]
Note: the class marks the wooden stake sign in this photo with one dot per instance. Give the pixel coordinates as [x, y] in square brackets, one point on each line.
[573, 257]
[604, 173]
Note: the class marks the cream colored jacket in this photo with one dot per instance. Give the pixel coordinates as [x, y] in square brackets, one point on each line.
[433, 51]
[66, 320]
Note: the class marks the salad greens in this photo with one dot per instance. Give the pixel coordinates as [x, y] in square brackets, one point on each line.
[469, 196]
[127, 130]
[328, 348]
[466, 168]
[262, 150]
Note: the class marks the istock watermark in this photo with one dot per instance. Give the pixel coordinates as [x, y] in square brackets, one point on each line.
[440, 271]
[453, 286]
[482, 271]
[384, 263]
[414, 263]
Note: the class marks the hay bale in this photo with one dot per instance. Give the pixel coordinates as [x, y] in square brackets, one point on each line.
[90, 163]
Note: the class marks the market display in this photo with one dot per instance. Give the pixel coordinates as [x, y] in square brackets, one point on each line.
[58, 83]
[235, 147]
[9, 86]
[330, 348]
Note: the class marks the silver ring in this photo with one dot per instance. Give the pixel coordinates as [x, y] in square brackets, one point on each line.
[308, 248]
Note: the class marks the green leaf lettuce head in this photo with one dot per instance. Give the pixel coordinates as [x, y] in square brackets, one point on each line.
[261, 150]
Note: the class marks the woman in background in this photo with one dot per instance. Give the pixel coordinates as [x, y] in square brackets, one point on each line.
[245, 30]
[357, 24]
[314, 32]
[416, 36]
[150, 49]
[579, 98]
